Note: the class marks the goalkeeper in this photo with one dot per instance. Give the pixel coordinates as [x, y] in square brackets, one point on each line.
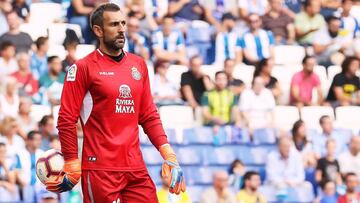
[109, 90]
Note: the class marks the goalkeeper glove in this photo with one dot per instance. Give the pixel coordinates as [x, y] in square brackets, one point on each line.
[72, 174]
[171, 170]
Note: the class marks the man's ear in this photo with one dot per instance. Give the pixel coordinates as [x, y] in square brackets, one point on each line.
[98, 31]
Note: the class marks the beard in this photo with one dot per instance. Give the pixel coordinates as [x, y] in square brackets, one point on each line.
[113, 44]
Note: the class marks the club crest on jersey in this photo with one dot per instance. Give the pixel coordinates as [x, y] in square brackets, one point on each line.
[124, 103]
[71, 74]
[135, 73]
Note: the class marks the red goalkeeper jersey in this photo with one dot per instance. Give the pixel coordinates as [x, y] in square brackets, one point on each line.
[111, 98]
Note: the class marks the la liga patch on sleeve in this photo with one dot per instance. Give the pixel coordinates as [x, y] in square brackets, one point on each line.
[71, 74]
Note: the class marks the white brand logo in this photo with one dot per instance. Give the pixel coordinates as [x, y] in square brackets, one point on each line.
[71, 74]
[124, 104]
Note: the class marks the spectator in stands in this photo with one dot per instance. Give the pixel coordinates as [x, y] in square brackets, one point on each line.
[249, 192]
[345, 87]
[21, 40]
[352, 194]
[216, 9]
[14, 142]
[256, 106]
[185, 10]
[303, 83]
[27, 84]
[169, 44]
[329, 7]
[9, 100]
[328, 193]
[350, 160]
[157, 9]
[235, 85]
[263, 69]
[194, 83]
[53, 81]
[8, 61]
[227, 41]
[257, 43]
[70, 57]
[7, 177]
[164, 196]
[218, 105]
[220, 191]
[248, 7]
[349, 24]
[139, 10]
[22, 9]
[47, 129]
[308, 21]
[328, 168]
[302, 144]
[164, 91]
[279, 23]
[5, 7]
[319, 141]
[26, 122]
[135, 42]
[284, 167]
[328, 42]
[236, 174]
[39, 57]
[78, 13]
[55, 142]
[28, 157]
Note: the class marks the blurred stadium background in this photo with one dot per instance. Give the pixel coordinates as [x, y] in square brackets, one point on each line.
[186, 43]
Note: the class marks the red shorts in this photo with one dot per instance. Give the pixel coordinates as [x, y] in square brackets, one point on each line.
[117, 187]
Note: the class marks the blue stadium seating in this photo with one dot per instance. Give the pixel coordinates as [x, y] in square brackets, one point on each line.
[201, 135]
[264, 136]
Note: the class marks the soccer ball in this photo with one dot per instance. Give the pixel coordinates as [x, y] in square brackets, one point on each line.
[49, 166]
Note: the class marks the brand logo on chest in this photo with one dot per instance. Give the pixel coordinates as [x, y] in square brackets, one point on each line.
[124, 103]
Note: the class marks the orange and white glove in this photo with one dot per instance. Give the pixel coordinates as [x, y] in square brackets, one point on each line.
[72, 174]
[171, 170]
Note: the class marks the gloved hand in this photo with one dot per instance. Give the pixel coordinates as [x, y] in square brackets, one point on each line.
[171, 170]
[72, 174]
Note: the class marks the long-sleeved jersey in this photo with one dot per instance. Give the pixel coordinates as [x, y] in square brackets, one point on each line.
[111, 98]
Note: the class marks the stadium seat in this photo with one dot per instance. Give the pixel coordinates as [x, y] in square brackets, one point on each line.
[285, 117]
[258, 154]
[57, 50]
[220, 155]
[210, 70]
[348, 117]
[151, 155]
[57, 32]
[244, 73]
[199, 135]
[321, 72]
[45, 13]
[332, 71]
[34, 30]
[174, 73]
[189, 155]
[177, 116]
[311, 115]
[195, 192]
[264, 136]
[300, 194]
[38, 111]
[284, 75]
[84, 49]
[289, 54]
[196, 175]
[154, 172]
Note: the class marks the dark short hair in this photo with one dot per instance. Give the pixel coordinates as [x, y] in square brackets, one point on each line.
[54, 137]
[219, 72]
[41, 41]
[31, 134]
[322, 118]
[346, 63]
[5, 45]
[248, 175]
[347, 175]
[260, 66]
[52, 58]
[331, 18]
[45, 119]
[228, 16]
[2, 144]
[306, 58]
[97, 16]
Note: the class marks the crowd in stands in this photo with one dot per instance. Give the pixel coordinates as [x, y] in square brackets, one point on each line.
[191, 37]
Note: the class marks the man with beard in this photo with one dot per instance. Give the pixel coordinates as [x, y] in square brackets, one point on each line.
[249, 192]
[109, 91]
[351, 195]
[328, 41]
